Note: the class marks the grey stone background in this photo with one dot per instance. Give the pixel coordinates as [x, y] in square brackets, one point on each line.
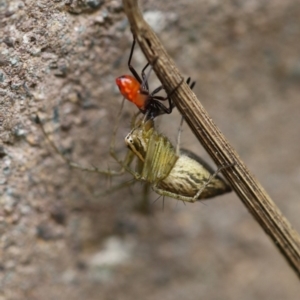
[59, 238]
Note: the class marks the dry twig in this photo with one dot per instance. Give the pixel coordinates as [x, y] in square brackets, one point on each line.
[245, 184]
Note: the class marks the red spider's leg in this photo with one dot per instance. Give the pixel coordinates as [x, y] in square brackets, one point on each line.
[144, 76]
[131, 68]
[162, 107]
[144, 84]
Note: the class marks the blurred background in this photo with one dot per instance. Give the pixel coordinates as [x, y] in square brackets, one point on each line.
[61, 238]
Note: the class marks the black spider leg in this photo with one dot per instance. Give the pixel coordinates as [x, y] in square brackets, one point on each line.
[144, 80]
[131, 68]
[154, 101]
[145, 77]
[155, 107]
[160, 98]
[192, 84]
[144, 84]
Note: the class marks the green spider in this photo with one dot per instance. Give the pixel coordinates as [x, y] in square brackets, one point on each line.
[179, 174]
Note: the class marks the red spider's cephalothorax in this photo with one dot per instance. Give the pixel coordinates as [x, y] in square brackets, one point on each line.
[130, 88]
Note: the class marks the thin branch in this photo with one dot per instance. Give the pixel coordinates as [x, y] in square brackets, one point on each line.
[242, 181]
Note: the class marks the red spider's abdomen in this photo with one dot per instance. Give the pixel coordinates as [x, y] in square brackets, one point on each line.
[130, 89]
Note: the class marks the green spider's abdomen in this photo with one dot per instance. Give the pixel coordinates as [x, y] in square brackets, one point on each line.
[188, 176]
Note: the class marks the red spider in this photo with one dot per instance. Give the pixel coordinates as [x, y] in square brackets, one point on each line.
[136, 90]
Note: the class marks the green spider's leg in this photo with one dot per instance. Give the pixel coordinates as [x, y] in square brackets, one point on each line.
[115, 188]
[172, 195]
[211, 178]
[195, 198]
[178, 137]
[75, 165]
